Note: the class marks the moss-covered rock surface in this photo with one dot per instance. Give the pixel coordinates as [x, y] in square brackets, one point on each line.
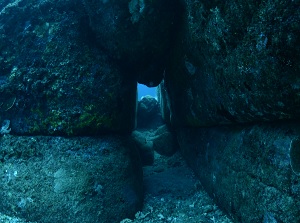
[53, 78]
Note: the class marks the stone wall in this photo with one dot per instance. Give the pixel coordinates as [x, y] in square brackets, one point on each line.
[231, 91]
[235, 62]
[248, 169]
[54, 78]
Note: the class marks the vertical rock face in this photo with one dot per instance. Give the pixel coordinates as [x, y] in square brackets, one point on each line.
[54, 179]
[59, 76]
[236, 62]
[164, 102]
[53, 78]
[250, 171]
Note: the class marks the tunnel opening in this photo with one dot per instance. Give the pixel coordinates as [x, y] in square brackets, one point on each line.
[148, 108]
[143, 91]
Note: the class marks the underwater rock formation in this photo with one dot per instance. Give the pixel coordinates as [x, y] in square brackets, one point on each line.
[148, 113]
[81, 179]
[137, 33]
[144, 145]
[164, 141]
[248, 170]
[70, 68]
[54, 79]
[235, 62]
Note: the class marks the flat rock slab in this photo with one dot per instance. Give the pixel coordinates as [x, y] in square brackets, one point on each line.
[55, 179]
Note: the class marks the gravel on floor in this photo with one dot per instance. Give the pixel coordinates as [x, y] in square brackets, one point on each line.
[173, 194]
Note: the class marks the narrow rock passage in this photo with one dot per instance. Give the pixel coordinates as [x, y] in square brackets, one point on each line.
[173, 194]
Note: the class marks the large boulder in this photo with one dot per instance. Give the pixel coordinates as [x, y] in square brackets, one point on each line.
[235, 61]
[164, 141]
[252, 172]
[54, 79]
[55, 179]
[148, 113]
[144, 145]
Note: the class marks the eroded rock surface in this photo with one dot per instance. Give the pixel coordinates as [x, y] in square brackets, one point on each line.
[235, 62]
[247, 169]
[55, 179]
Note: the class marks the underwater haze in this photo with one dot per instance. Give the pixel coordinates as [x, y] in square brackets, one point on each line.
[143, 90]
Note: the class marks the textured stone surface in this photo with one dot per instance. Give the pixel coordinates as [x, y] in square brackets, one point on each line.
[53, 78]
[235, 62]
[164, 141]
[247, 170]
[144, 144]
[136, 33]
[55, 179]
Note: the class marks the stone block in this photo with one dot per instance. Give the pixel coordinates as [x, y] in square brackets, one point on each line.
[54, 179]
[235, 62]
[252, 172]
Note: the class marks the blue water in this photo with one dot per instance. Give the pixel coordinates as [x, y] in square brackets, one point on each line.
[143, 90]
